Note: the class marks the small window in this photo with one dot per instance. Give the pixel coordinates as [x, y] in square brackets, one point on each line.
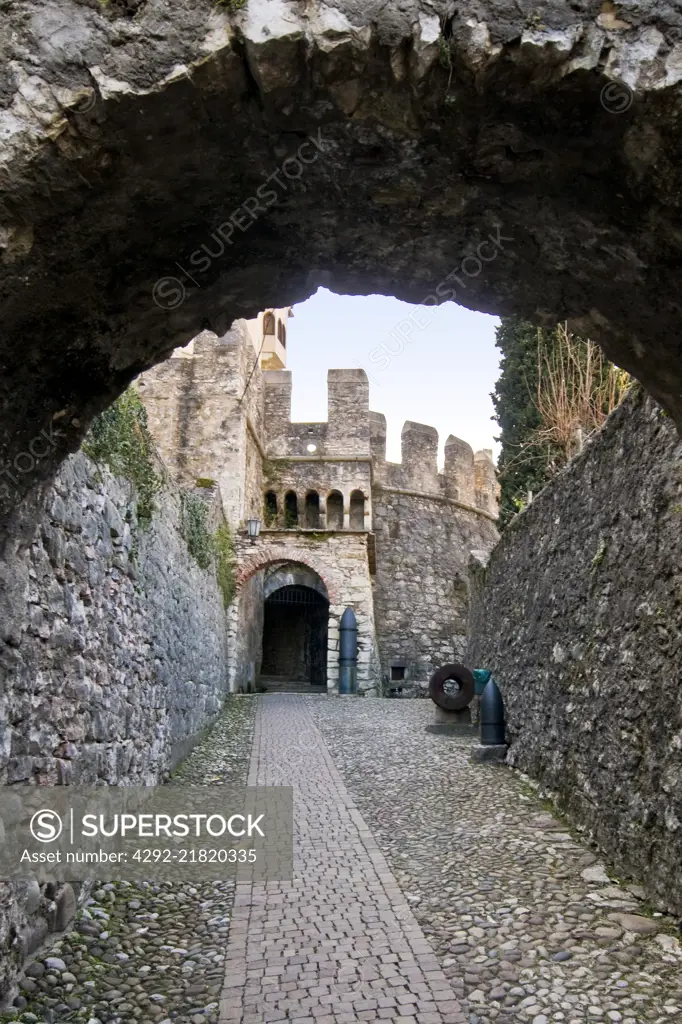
[397, 673]
[290, 510]
[270, 509]
[357, 510]
[282, 334]
[312, 510]
[335, 511]
[268, 323]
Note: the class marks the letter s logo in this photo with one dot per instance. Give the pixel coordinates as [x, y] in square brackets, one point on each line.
[46, 826]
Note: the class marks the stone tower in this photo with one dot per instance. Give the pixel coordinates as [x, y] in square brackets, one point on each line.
[338, 521]
[268, 332]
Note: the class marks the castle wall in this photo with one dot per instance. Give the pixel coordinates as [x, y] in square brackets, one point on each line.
[579, 616]
[323, 477]
[347, 412]
[420, 593]
[205, 412]
[467, 479]
[277, 413]
[426, 523]
[252, 501]
[113, 661]
[341, 461]
[245, 636]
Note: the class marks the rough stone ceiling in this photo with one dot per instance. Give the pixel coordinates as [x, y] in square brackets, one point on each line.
[132, 131]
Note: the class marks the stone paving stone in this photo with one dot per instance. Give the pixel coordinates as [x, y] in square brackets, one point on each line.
[341, 920]
[147, 953]
[527, 926]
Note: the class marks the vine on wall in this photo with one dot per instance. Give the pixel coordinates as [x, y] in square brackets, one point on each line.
[195, 528]
[209, 548]
[225, 563]
[554, 390]
[120, 438]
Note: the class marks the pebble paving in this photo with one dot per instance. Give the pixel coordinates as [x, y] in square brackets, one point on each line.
[522, 915]
[147, 953]
[426, 890]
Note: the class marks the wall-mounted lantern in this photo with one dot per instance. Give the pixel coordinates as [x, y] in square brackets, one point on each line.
[253, 529]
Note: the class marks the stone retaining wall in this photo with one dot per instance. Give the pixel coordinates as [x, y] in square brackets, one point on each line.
[579, 616]
[113, 662]
[245, 631]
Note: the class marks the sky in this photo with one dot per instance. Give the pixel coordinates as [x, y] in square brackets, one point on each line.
[438, 368]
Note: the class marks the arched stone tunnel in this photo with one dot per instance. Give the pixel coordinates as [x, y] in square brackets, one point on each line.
[169, 166]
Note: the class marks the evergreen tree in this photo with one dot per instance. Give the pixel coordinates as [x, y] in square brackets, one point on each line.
[555, 388]
[522, 467]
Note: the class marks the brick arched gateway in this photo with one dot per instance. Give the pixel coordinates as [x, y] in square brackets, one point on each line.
[341, 562]
[251, 559]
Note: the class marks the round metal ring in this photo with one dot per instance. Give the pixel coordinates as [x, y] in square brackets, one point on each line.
[461, 675]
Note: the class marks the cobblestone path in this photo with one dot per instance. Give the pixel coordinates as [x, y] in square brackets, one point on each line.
[526, 922]
[339, 943]
[427, 890]
[150, 953]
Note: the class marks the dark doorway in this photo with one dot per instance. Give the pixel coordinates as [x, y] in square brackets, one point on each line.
[312, 510]
[290, 510]
[295, 638]
[270, 508]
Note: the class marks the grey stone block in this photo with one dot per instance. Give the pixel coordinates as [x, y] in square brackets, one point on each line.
[66, 907]
[489, 752]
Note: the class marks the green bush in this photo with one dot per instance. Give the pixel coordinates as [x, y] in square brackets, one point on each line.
[120, 437]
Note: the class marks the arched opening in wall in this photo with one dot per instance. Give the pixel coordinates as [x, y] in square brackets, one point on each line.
[268, 323]
[335, 511]
[270, 508]
[282, 334]
[295, 630]
[312, 510]
[491, 248]
[290, 510]
[357, 510]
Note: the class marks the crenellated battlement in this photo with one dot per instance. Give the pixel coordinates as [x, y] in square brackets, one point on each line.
[467, 478]
[209, 401]
[346, 431]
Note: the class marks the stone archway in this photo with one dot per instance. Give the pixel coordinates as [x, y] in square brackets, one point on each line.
[295, 638]
[295, 554]
[292, 574]
[341, 566]
[150, 187]
[295, 626]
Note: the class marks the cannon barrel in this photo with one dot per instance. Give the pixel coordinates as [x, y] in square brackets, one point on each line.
[491, 713]
[348, 652]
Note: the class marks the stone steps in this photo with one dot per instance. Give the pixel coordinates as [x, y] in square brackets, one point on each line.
[278, 685]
